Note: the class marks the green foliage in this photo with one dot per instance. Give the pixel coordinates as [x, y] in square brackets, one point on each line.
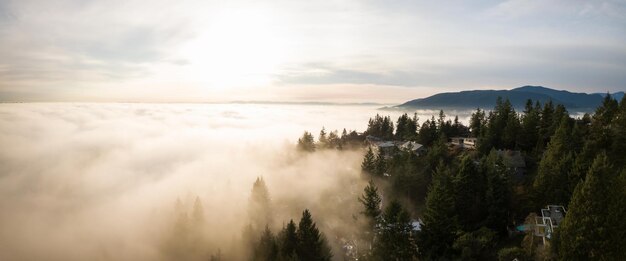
[395, 240]
[311, 243]
[306, 142]
[371, 203]
[304, 243]
[477, 121]
[501, 129]
[551, 183]
[440, 225]
[428, 132]
[323, 141]
[406, 128]
[497, 196]
[380, 164]
[476, 245]
[529, 133]
[288, 241]
[470, 189]
[593, 228]
[369, 162]
[259, 206]
[618, 132]
[381, 127]
[267, 248]
[512, 253]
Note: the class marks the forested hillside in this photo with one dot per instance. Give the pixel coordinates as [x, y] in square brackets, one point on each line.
[478, 203]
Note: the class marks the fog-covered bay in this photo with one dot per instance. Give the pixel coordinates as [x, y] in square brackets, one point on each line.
[100, 181]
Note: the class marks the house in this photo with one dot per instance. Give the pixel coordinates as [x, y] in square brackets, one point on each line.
[464, 142]
[387, 147]
[551, 218]
[371, 140]
[414, 147]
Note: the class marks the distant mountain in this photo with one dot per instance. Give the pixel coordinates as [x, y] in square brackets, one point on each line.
[487, 98]
[618, 95]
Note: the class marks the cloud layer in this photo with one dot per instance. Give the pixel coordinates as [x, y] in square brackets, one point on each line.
[100, 181]
[241, 50]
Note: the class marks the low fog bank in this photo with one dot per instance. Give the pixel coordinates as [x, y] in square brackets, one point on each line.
[109, 181]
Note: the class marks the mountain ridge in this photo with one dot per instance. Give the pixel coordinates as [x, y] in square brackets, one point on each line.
[472, 99]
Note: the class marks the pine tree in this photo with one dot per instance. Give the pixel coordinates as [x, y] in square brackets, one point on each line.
[469, 187]
[312, 245]
[371, 203]
[593, 228]
[477, 122]
[267, 248]
[476, 245]
[306, 142]
[428, 132]
[511, 131]
[439, 229]
[259, 208]
[618, 129]
[395, 240]
[289, 241]
[529, 133]
[551, 183]
[198, 213]
[545, 124]
[380, 164]
[323, 141]
[497, 195]
[333, 140]
[369, 161]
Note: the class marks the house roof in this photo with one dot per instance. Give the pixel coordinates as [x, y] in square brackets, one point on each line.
[411, 145]
[386, 144]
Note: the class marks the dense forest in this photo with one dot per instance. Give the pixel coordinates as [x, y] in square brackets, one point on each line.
[455, 203]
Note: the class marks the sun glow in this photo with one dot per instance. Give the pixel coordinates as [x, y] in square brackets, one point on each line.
[237, 48]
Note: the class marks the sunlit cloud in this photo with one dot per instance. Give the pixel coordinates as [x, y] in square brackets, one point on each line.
[212, 50]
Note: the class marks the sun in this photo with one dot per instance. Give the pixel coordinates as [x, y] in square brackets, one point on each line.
[237, 48]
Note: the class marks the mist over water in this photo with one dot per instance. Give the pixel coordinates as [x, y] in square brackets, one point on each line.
[101, 181]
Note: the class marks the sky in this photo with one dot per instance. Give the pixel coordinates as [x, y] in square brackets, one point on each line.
[285, 50]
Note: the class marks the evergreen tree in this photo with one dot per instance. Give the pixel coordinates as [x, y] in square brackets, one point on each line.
[545, 124]
[593, 228]
[406, 128]
[312, 245]
[323, 141]
[394, 241]
[618, 132]
[289, 241]
[477, 121]
[529, 131]
[267, 248]
[259, 209]
[381, 127]
[469, 187]
[306, 142]
[551, 183]
[371, 203]
[511, 131]
[198, 213]
[369, 162]
[428, 132]
[439, 229]
[497, 195]
[380, 164]
[476, 245]
[333, 141]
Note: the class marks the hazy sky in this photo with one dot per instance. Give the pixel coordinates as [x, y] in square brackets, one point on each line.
[345, 51]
